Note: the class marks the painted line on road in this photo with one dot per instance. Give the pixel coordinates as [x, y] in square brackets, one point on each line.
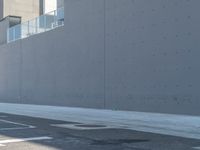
[24, 126]
[11, 122]
[3, 142]
[197, 148]
[82, 126]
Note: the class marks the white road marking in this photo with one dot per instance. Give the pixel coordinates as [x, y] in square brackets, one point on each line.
[79, 127]
[198, 148]
[24, 126]
[3, 142]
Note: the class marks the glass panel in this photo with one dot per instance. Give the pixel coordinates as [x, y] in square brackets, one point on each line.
[60, 16]
[11, 34]
[32, 27]
[49, 18]
[60, 13]
[25, 30]
[40, 24]
[17, 32]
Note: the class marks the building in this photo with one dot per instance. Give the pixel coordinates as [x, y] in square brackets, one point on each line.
[26, 9]
[134, 55]
[49, 5]
[13, 12]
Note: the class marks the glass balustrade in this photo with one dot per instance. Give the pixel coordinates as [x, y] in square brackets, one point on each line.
[40, 24]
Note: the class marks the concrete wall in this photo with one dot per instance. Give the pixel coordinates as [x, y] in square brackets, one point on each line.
[152, 52]
[118, 54]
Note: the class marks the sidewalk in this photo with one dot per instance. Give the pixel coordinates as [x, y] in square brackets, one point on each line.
[167, 124]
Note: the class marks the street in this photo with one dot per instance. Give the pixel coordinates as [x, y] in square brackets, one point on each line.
[27, 133]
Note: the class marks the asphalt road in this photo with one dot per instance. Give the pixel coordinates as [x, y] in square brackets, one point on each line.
[26, 133]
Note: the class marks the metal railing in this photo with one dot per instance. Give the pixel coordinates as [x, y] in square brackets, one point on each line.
[40, 24]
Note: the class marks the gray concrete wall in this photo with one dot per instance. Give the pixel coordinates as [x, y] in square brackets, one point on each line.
[152, 52]
[117, 54]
